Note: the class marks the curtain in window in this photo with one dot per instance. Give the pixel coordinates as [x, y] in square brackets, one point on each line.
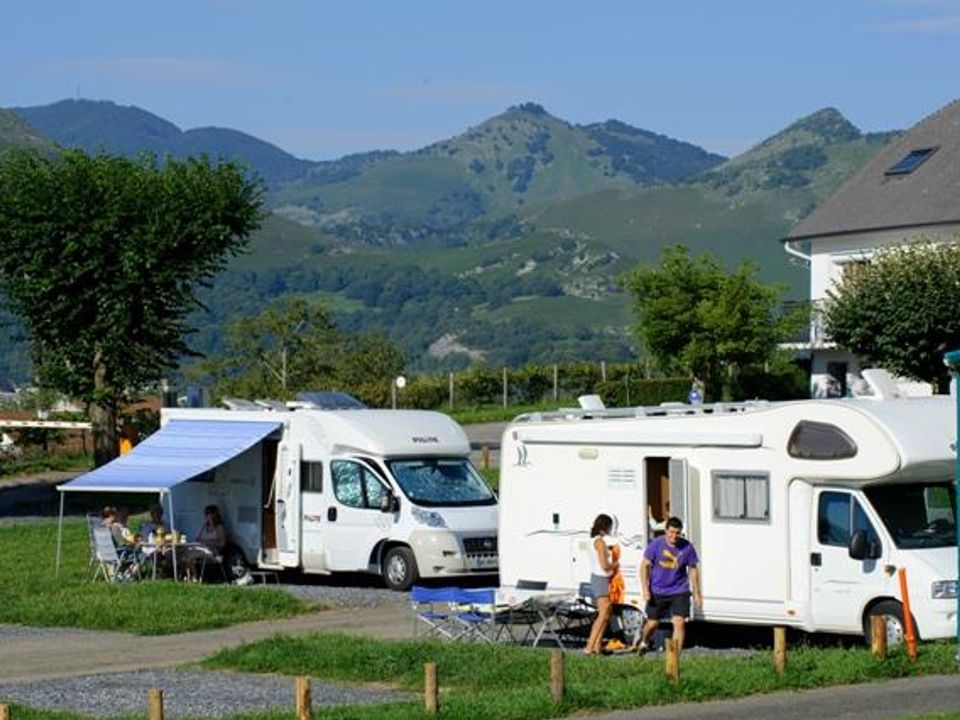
[757, 497]
[730, 497]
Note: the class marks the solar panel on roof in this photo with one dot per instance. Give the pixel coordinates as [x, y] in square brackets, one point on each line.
[330, 400]
[911, 161]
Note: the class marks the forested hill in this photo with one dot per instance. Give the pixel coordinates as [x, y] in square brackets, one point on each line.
[503, 243]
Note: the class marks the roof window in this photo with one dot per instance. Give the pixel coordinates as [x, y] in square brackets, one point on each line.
[911, 161]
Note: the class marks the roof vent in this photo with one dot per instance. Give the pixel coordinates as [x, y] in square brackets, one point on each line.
[882, 384]
[591, 402]
[240, 404]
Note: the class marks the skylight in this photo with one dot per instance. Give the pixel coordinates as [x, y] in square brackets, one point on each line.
[911, 161]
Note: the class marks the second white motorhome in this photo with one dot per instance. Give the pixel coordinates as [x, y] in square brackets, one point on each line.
[802, 512]
[390, 492]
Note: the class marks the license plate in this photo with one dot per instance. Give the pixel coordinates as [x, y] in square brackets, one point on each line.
[485, 561]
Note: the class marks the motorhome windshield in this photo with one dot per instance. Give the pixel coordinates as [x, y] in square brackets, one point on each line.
[437, 481]
[917, 515]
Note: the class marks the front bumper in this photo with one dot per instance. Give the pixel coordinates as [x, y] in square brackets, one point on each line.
[441, 552]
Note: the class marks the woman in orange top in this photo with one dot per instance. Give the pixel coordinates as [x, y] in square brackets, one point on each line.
[603, 569]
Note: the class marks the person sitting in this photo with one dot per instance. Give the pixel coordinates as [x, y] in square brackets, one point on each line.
[212, 539]
[128, 543]
[150, 527]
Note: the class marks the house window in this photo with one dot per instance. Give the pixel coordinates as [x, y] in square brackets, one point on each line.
[741, 495]
[911, 161]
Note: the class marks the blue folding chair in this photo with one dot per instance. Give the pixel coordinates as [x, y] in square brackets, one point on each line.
[435, 611]
[478, 617]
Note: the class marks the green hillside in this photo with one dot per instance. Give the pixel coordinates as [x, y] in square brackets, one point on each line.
[504, 243]
[16, 132]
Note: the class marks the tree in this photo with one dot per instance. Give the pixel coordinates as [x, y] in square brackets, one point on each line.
[101, 256]
[695, 317]
[899, 311]
[291, 345]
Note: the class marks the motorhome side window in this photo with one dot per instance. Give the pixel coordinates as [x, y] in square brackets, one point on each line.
[311, 476]
[739, 495]
[839, 515]
[354, 485]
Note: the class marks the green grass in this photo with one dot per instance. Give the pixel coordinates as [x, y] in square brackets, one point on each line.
[513, 682]
[31, 593]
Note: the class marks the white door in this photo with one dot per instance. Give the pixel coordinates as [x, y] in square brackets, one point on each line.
[354, 522]
[288, 504]
[679, 492]
[313, 502]
[840, 584]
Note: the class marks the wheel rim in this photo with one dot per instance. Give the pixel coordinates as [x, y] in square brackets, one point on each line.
[396, 569]
[895, 632]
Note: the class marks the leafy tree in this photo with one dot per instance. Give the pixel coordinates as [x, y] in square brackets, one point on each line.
[694, 316]
[290, 346]
[899, 311]
[101, 257]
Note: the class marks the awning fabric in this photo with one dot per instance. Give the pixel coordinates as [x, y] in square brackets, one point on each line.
[180, 450]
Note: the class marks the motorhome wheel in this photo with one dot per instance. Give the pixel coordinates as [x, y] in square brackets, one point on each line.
[235, 564]
[894, 614]
[400, 568]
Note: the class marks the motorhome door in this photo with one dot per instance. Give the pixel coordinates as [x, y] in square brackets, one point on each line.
[355, 522]
[840, 584]
[679, 490]
[287, 507]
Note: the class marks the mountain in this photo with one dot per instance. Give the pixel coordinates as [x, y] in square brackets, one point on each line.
[521, 158]
[16, 132]
[504, 242]
[93, 125]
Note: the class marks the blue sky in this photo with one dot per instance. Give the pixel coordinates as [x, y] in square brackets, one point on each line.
[322, 79]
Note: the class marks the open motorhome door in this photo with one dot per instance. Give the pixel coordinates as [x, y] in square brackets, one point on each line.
[288, 504]
[679, 490]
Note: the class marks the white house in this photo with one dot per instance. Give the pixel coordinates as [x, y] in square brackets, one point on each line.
[910, 189]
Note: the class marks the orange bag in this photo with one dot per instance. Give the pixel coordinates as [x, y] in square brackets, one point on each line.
[617, 586]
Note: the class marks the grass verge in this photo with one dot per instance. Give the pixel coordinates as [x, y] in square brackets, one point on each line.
[32, 594]
[31, 466]
[513, 682]
[498, 413]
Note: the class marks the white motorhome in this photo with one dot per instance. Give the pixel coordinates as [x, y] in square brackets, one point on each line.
[382, 491]
[802, 512]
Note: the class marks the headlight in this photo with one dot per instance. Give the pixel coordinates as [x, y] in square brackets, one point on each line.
[428, 518]
[944, 590]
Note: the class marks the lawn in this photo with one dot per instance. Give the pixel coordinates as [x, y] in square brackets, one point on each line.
[496, 681]
[32, 594]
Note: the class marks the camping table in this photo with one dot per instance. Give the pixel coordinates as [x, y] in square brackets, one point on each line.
[541, 615]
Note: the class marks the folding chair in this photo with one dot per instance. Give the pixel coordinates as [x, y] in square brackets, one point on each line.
[113, 564]
[435, 609]
[477, 616]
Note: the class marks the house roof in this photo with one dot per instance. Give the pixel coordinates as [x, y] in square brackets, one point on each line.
[874, 199]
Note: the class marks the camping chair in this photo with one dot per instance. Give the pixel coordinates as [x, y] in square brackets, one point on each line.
[477, 616]
[434, 610]
[115, 565]
[93, 521]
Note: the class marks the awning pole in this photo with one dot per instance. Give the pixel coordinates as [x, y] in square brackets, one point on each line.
[173, 528]
[59, 535]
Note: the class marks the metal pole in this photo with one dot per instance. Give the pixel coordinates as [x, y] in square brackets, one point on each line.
[952, 361]
[393, 394]
[59, 535]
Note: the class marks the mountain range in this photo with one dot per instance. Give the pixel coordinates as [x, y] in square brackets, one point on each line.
[500, 244]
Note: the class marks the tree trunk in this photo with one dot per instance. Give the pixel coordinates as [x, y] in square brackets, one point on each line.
[103, 418]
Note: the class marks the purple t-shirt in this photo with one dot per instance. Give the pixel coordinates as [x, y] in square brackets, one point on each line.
[668, 574]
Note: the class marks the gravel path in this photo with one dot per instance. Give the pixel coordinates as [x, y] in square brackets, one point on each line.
[186, 693]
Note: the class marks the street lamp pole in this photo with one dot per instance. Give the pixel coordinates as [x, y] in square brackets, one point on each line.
[952, 361]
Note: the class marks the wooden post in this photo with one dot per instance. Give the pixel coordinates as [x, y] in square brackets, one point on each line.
[910, 636]
[878, 636]
[485, 457]
[504, 387]
[671, 660]
[304, 699]
[780, 649]
[4, 712]
[556, 383]
[603, 370]
[430, 701]
[155, 704]
[451, 391]
[556, 676]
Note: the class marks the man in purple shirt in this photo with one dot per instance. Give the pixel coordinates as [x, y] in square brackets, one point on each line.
[667, 574]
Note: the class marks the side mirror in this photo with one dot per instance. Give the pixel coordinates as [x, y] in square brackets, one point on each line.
[388, 502]
[863, 549]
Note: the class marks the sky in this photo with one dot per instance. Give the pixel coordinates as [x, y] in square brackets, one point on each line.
[325, 78]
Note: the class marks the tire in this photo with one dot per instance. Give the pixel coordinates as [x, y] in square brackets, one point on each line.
[896, 630]
[630, 620]
[399, 568]
[235, 565]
